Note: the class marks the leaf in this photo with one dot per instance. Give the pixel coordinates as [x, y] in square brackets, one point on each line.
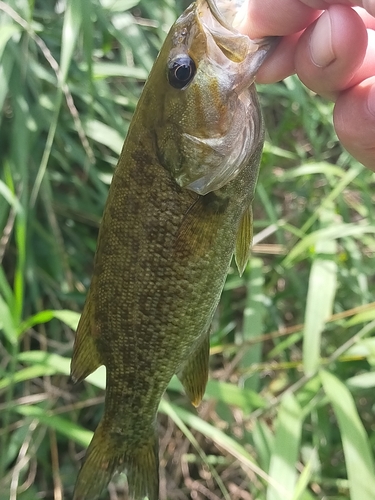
[28, 373]
[253, 322]
[220, 438]
[264, 442]
[119, 5]
[362, 317]
[105, 135]
[320, 297]
[46, 360]
[105, 70]
[358, 456]
[361, 381]
[10, 197]
[7, 322]
[285, 452]
[70, 318]
[61, 425]
[303, 480]
[330, 233]
[71, 27]
[230, 394]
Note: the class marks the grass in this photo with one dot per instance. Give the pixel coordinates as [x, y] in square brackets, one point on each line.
[288, 412]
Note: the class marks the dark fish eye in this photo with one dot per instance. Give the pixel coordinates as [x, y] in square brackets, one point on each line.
[181, 71]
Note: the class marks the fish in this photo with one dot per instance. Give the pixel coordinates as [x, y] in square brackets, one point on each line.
[178, 209]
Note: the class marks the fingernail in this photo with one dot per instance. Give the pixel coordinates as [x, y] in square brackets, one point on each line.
[321, 49]
[371, 100]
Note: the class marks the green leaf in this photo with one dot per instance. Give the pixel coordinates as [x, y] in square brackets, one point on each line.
[46, 360]
[61, 425]
[330, 233]
[7, 322]
[71, 27]
[28, 373]
[362, 317]
[285, 453]
[105, 70]
[103, 134]
[119, 5]
[320, 296]
[358, 456]
[361, 381]
[220, 438]
[253, 322]
[230, 394]
[70, 318]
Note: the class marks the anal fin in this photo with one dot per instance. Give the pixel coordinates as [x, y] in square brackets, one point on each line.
[244, 239]
[85, 359]
[194, 373]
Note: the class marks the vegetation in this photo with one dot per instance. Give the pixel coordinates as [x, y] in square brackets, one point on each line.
[289, 409]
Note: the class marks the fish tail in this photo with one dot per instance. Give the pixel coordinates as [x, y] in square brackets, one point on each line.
[105, 456]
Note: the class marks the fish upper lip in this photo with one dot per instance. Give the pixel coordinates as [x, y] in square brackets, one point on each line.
[216, 13]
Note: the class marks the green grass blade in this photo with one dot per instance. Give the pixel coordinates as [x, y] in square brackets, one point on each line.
[7, 323]
[285, 452]
[253, 321]
[63, 426]
[330, 233]
[320, 297]
[221, 439]
[358, 456]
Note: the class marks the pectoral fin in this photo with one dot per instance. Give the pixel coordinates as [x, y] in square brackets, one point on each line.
[85, 357]
[194, 374]
[197, 231]
[244, 238]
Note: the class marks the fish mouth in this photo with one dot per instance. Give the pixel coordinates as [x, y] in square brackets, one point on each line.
[228, 13]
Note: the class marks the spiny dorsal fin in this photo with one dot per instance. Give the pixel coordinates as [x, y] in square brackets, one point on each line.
[194, 373]
[244, 239]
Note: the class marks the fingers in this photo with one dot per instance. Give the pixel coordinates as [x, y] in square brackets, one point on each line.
[354, 120]
[281, 62]
[276, 17]
[331, 51]
[369, 5]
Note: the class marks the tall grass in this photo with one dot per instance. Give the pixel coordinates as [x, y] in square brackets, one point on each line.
[289, 409]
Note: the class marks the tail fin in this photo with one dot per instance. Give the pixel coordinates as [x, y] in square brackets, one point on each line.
[106, 455]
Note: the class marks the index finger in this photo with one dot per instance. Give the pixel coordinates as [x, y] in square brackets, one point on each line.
[276, 17]
[285, 17]
[368, 5]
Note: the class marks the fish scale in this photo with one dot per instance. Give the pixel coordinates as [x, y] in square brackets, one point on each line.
[178, 207]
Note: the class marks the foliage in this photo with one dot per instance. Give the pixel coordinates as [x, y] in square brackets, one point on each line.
[288, 413]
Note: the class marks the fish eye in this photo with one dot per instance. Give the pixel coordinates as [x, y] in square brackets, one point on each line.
[181, 71]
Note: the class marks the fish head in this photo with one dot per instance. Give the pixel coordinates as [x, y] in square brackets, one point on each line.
[209, 121]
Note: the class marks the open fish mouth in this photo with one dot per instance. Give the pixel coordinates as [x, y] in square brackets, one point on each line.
[229, 13]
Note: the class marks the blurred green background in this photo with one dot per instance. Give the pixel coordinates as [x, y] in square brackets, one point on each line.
[289, 409]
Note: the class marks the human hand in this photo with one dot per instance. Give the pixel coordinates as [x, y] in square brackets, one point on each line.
[331, 47]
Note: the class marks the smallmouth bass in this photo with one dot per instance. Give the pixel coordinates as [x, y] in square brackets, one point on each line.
[178, 208]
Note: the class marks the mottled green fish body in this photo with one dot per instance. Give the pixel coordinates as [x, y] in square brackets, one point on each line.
[178, 208]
